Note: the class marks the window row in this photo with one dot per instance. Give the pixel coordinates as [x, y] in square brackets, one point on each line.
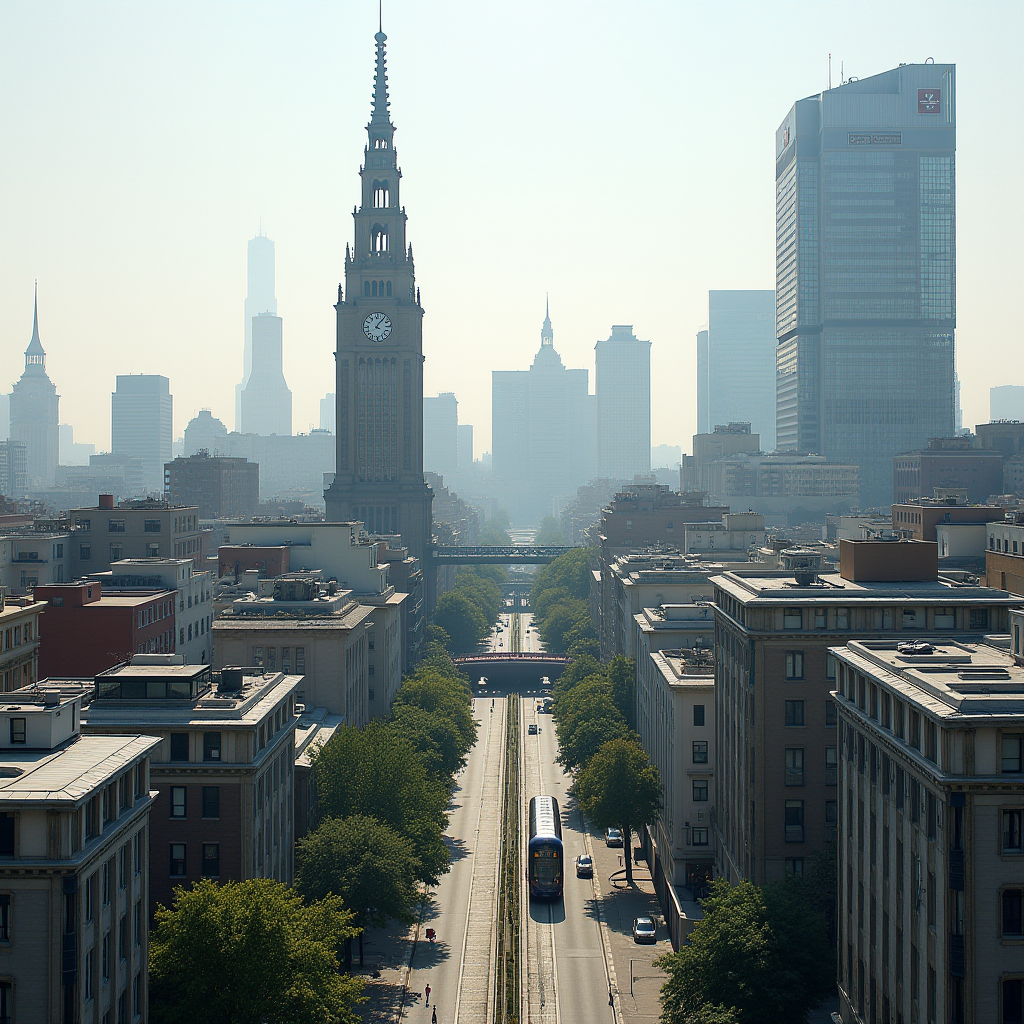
[210, 801]
[209, 864]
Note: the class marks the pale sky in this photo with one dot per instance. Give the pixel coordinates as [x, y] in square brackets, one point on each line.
[617, 155]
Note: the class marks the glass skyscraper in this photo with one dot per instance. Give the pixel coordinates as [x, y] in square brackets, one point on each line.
[865, 189]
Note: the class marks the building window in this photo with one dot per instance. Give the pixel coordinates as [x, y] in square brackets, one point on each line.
[211, 746]
[211, 860]
[700, 790]
[178, 802]
[1013, 752]
[1013, 914]
[945, 618]
[286, 660]
[698, 837]
[179, 746]
[978, 618]
[122, 867]
[177, 860]
[84, 524]
[90, 888]
[115, 526]
[831, 766]
[794, 712]
[5, 917]
[257, 656]
[794, 766]
[698, 714]
[913, 618]
[107, 871]
[85, 552]
[831, 814]
[794, 821]
[105, 958]
[300, 659]
[211, 801]
[820, 618]
[116, 552]
[87, 987]
[122, 937]
[271, 658]
[1013, 1001]
[1013, 827]
[18, 730]
[794, 664]
[795, 867]
[700, 751]
[793, 618]
[151, 526]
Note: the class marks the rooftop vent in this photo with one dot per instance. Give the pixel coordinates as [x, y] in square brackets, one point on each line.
[915, 649]
[230, 680]
[805, 577]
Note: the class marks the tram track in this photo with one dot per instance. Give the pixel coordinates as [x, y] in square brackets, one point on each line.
[508, 945]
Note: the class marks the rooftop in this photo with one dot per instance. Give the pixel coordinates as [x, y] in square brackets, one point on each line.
[949, 678]
[70, 773]
[686, 667]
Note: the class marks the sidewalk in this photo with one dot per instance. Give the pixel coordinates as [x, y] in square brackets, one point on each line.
[386, 951]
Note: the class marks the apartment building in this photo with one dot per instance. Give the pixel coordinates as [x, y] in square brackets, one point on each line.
[74, 876]
[1004, 553]
[676, 722]
[775, 720]
[223, 762]
[931, 819]
[19, 641]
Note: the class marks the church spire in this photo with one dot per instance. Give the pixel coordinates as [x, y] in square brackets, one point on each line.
[547, 335]
[34, 354]
[379, 113]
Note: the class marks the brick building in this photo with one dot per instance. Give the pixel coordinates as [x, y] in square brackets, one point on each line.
[85, 632]
[1004, 554]
[19, 641]
[218, 485]
[948, 463]
[776, 741]
[917, 520]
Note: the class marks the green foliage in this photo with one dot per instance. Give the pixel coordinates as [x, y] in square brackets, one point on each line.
[428, 689]
[365, 862]
[377, 772]
[622, 675]
[579, 669]
[566, 619]
[435, 738]
[571, 571]
[547, 599]
[620, 788]
[763, 952]
[549, 533]
[462, 620]
[584, 647]
[250, 953]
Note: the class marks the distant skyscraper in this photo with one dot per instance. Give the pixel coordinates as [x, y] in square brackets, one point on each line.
[379, 357]
[441, 434]
[260, 298]
[703, 420]
[140, 424]
[205, 433]
[34, 412]
[13, 469]
[623, 390]
[465, 445]
[542, 433]
[1006, 402]
[328, 412]
[740, 361]
[866, 270]
[266, 398]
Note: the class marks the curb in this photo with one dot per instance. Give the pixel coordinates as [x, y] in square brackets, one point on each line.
[606, 945]
[407, 971]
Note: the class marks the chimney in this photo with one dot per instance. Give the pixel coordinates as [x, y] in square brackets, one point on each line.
[106, 501]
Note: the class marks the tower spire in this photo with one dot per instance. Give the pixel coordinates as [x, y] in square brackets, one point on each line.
[34, 354]
[379, 111]
[547, 335]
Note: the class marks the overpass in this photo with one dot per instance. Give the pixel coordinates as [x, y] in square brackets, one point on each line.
[515, 667]
[510, 554]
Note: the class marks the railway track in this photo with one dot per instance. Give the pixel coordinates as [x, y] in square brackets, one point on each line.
[508, 947]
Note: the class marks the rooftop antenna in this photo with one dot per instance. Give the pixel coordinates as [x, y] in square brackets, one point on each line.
[830, 70]
[380, 15]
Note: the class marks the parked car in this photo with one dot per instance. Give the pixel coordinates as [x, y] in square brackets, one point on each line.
[584, 866]
[531, 729]
[612, 837]
[644, 930]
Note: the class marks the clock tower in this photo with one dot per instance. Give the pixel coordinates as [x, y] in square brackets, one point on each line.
[379, 388]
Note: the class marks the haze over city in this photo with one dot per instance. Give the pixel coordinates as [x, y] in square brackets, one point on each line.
[619, 157]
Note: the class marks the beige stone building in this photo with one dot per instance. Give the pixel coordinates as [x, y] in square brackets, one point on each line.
[19, 641]
[931, 819]
[74, 866]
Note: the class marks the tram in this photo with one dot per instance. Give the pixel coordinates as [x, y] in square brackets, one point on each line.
[545, 864]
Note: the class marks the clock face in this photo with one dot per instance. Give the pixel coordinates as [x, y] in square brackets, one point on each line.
[377, 326]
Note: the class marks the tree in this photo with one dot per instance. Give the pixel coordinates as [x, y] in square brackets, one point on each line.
[462, 620]
[560, 620]
[433, 692]
[377, 772]
[365, 862]
[761, 952]
[571, 570]
[435, 738]
[579, 668]
[622, 674]
[620, 788]
[250, 953]
[549, 533]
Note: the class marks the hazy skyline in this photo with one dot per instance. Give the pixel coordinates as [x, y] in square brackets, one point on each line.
[620, 157]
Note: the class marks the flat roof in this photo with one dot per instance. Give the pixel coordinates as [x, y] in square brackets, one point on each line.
[686, 667]
[952, 679]
[70, 773]
[769, 588]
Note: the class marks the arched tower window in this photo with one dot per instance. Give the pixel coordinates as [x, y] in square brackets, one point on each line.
[380, 290]
[379, 238]
[381, 195]
[366, 288]
[373, 289]
[389, 289]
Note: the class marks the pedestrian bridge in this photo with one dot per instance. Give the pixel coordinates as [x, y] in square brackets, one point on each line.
[513, 668]
[510, 554]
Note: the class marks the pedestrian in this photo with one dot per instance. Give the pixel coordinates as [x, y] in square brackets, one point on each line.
[428, 995]
[433, 1016]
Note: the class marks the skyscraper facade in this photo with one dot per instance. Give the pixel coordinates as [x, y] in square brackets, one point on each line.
[140, 424]
[703, 418]
[266, 398]
[259, 298]
[623, 389]
[740, 361]
[379, 384]
[543, 431]
[441, 434]
[35, 414]
[866, 270]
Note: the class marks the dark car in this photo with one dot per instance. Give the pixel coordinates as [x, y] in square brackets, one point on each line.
[531, 729]
[644, 930]
[584, 866]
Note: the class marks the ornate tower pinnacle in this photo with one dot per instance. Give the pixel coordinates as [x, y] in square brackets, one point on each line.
[34, 354]
[379, 113]
[547, 335]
